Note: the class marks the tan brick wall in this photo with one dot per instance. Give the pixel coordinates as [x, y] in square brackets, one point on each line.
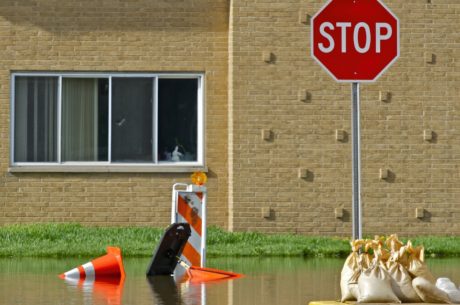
[246, 96]
[265, 97]
[144, 35]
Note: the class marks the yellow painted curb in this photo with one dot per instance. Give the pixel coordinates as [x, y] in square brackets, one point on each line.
[355, 303]
[327, 303]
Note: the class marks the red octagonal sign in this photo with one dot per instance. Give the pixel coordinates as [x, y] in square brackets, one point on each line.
[355, 40]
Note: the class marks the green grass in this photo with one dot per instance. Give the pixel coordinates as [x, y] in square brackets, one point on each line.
[221, 243]
[74, 240]
[448, 246]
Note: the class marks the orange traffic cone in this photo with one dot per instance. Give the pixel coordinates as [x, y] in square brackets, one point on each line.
[109, 265]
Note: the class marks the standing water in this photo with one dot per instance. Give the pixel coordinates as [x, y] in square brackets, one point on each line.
[270, 281]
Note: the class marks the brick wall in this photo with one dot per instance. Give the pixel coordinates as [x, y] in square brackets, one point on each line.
[144, 35]
[248, 99]
[268, 194]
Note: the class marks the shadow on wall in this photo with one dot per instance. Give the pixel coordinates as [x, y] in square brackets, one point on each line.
[112, 15]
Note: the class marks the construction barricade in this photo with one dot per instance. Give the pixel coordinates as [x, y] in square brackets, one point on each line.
[189, 205]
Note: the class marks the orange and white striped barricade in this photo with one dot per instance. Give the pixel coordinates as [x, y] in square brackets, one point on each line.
[189, 205]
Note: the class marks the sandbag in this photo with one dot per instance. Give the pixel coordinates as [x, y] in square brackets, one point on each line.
[374, 285]
[428, 292]
[416, 264]
[393, 243]
[402, 256]
[401, 283]
[350, 272]
[449, 287]
[377, 245]
[397, 251]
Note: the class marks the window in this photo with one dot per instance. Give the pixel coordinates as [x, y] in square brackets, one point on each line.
[84, 119]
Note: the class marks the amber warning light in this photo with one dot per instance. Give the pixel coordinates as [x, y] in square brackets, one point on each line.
[199, 178]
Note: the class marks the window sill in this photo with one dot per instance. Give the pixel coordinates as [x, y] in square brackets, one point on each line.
[117, 168]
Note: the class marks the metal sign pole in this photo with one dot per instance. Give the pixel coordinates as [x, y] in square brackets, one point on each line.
[356, 163]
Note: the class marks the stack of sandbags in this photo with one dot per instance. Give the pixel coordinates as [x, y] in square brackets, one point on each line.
[387, 271]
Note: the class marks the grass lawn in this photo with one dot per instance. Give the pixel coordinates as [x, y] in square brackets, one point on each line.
[74, 240]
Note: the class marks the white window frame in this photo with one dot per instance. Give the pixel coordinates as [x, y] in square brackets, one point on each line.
[108, 166]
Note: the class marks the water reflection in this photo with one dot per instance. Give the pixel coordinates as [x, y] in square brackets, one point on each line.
[101, 291]
[164, 290]
[192, 293]
[270, 281]
[169, 290]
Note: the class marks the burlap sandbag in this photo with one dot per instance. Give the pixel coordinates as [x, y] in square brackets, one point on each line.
[396, 254]
[393, 243]
[350, 273]
[377, 245]
[428, 292]
[416, 264]
[374, 285]
[402, 257]
[401, 283]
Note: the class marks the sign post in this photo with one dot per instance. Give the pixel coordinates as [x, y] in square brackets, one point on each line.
[355, 41]
[356, 164]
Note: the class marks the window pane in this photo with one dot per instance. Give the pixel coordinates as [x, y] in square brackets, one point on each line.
[177, 119]
[35, 119]
[132, 127]
[84, 119]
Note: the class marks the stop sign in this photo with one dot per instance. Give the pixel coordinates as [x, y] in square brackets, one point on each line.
[355, 40]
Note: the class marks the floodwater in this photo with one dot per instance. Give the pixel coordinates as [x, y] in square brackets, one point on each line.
[270, 281]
